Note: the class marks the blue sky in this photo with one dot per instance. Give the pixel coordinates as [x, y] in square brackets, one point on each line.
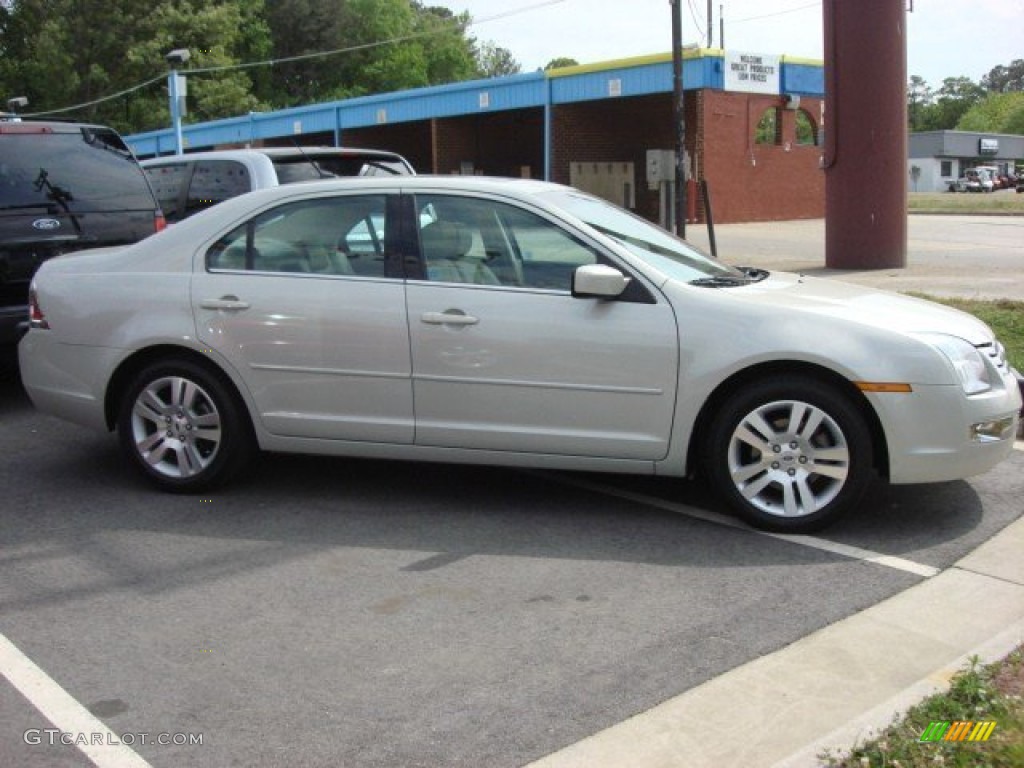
[945, 38]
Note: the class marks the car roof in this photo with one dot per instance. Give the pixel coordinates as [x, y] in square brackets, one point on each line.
[241, 207]
[500, 185]
[275, 153]
[20, 126]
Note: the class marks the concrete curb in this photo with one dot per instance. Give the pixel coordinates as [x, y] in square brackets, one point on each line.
[873, 722]
[847, 680]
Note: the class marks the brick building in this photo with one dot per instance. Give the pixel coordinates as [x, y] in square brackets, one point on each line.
[753, 130]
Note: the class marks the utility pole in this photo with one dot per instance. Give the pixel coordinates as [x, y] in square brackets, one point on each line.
[711, 25]
[678, 116]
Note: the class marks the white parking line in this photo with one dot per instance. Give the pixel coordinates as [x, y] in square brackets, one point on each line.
[855, 553]
[67, 715]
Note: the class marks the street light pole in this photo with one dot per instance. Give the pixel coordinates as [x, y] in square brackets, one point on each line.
[176, 92]
[679, 116]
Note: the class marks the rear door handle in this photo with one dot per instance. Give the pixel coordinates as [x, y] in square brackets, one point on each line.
[449, 317]
[224, 302]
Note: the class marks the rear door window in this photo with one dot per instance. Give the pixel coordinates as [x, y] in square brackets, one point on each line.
[215, 181]
[330, 236]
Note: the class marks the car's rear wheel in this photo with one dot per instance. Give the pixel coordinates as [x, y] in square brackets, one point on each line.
[182, 427]
[789, 454]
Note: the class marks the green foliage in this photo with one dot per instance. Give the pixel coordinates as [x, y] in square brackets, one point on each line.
[977, 693]
[561, 61]
[388, 45]
[768, 128]
[61, 53]
[495, 61]
[1002, 79]
[940, 110]
[963, 104]
[997, 113]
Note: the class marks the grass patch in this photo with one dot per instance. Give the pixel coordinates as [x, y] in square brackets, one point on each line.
[976, 693]
[1004, 317]
[1003, 201]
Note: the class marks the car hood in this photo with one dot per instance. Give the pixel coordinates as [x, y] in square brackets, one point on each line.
[865, 306]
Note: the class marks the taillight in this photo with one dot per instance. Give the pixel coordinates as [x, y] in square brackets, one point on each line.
[159, 221]
[36, 318]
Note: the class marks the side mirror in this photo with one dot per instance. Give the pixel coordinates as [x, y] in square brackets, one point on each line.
[598, 281]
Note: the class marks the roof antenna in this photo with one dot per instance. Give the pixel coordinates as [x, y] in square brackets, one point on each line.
[320, 172]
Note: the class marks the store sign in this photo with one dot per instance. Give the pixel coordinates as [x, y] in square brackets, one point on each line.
[752, 72]
[988, 146]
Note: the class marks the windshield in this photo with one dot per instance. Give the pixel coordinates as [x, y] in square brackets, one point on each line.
[662, 250]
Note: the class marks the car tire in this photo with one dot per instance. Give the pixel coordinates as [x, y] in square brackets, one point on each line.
[789, 453]
[183, 427]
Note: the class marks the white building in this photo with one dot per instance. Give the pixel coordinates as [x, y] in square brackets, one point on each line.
[939, 157]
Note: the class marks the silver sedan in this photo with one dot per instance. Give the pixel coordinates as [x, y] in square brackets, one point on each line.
[506, 322]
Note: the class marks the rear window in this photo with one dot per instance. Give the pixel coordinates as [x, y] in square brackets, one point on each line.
[294, 169]
[87, 170]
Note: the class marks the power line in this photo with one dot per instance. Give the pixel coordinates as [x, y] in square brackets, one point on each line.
[302, 57]
[113, 96]
[698, 23]
[376, 44]
[776, 13]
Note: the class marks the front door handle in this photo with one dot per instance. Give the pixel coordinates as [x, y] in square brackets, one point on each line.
[224, 302]
[449, 317]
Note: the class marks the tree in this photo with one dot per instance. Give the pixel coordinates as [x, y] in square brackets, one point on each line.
[379, 45]
[213, 33]
[929, 110]
[63, 53]
[1002, 79]
[956, 96]
[495, 61]
[561, 61]
[997, 113]
[919, 97]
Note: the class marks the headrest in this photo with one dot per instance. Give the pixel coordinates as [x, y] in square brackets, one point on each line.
[445, 240]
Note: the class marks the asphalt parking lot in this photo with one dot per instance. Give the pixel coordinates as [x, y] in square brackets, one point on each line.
[360, 613]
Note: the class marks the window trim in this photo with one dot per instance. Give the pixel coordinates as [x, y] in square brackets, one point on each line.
[392, 223]
[638, 292]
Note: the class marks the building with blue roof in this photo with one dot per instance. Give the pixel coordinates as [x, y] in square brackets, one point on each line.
[753, 128]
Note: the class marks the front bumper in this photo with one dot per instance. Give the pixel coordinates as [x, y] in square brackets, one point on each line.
[936, 433]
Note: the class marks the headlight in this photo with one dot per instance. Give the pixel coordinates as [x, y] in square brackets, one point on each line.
[967, 361]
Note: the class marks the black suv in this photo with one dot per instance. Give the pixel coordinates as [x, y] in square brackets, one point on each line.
[63, 187]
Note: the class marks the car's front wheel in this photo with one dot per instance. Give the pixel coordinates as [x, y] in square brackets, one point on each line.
[789, 454]
[182, 428]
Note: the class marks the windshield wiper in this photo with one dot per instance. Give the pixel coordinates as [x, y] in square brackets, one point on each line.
[383, 167]
[721, 281]
[755, 274]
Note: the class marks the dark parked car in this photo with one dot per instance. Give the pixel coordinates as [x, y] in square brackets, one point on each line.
[63, 187]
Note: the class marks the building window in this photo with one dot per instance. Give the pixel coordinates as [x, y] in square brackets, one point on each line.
[806, 130]
[769, 128]
[946, 168]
